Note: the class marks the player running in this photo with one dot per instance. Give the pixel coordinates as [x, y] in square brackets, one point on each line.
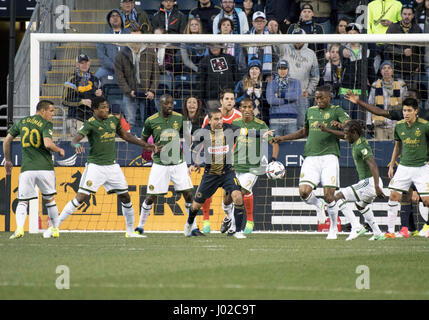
[369, 187]
[321, 153]
[101, 168]
[37, 167]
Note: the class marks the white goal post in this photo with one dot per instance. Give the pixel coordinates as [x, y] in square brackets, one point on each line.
[37, 38]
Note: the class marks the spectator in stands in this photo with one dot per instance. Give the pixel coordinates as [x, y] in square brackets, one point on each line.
[78, 92]
[309, 25]
[407, 60]
[386, 93]
[283, 11]
[381, 14]
[341, 26]
[252, 86]
[422, 14]
[137, 73]
[166, 66]
[249, 11]
[170, 18]
[332, 73]
[303, 66]
[133, 18]
[226, 26]
[325, 13]
[273, 26]
[106, 52]
[193, 53]
[263, 53]
[351, 60]
[346, 9]
[239, 18]
[218, 71]
[193, 112]
[283, 94]
[205, 12]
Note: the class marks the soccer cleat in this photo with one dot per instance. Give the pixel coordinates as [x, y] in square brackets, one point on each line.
[356, 233]
[425, 231]
[414, 233]
[139, 231]
[206, 226]
[51, 232]
[226, 224]
[19, 233]
[188, 229]
[237, 235]
[332, 235]
[403, 233]
[378, 237]
[389, 235]
[134, 235]
[321, 212]
[249, 227]
[197, 233]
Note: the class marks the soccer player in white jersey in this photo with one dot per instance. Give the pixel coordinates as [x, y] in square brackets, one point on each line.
[101, 168]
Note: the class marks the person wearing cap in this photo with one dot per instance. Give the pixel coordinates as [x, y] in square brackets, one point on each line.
[170, 18]
[386, 93]
[133, 17]
[137, 73]
[238, 16]
[106, 52]
[284, 12]
[381, 14]
[283, 94]
[308, 24]
[206, 11]
[324, 11]
[408, 60]
[251, 86]
[304, 67]
[264, 53]
[351, 55]
[79, 90]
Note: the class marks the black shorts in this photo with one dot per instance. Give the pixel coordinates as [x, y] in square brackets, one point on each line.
[211, 182]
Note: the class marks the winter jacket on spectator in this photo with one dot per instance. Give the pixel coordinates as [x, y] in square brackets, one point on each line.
[217, 73]
[239, 18]
[174, 24]
[348, 7]
[206, 15]
[137, 18]
[125, 71]
[303, 66]
[281, 11]
[282, 95]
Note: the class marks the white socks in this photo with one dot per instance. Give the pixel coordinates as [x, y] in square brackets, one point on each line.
[128, 212]
[312, 199]
[332, 209]
[69, 208]
[21, 214]
[347, 209]
[229, 210]
[392, 212]
[144, 214]
[369, 218]
[53, 213]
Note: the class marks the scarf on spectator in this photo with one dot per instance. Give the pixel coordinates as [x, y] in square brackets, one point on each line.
[130, 20]
[282, 82]
[267, 59]
[235, 19]
[84, 77]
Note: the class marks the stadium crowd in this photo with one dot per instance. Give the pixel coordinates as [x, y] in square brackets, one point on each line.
[280, 79]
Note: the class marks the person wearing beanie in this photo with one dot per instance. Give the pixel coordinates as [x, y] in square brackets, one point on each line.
[283, 94]
[134, 18]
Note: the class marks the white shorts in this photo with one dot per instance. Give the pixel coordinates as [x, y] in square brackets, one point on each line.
[160, 177]
[43, 179]
[405, 176]
[321, 169]
[110, 177]
[247, 180]
[363, 192]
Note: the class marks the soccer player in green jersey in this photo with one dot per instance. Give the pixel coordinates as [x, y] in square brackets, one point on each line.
[411, 139]
[37, 168]
[247, 156]
[369, 186]
[321, 153]
[166, 127]
[102, 169]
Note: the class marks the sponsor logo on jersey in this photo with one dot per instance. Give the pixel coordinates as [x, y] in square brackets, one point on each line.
[218, 150]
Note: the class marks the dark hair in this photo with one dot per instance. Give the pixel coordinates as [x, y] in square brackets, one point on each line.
[416, 91]
[411, 102]
[224, 91]
[44, 104]
[199, 113]
[136, 29]
[324, 88]
[221, 21]
[246, 99]
[354, 125]
[212, 112]
[96, 101]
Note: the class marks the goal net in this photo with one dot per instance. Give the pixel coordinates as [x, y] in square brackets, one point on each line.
[201, 66]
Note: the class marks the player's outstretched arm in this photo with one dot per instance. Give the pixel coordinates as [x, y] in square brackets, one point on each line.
[338, 134]
[50, 145]
[301, 133]
[395, 154]
[128, 137]
[276, 149]
[368, 107]
[8, 165]
[376, 175]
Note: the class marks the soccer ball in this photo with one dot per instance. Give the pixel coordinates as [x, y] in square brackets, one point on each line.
[275, 170]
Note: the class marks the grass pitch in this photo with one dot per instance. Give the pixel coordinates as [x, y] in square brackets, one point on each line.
[170, 266]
